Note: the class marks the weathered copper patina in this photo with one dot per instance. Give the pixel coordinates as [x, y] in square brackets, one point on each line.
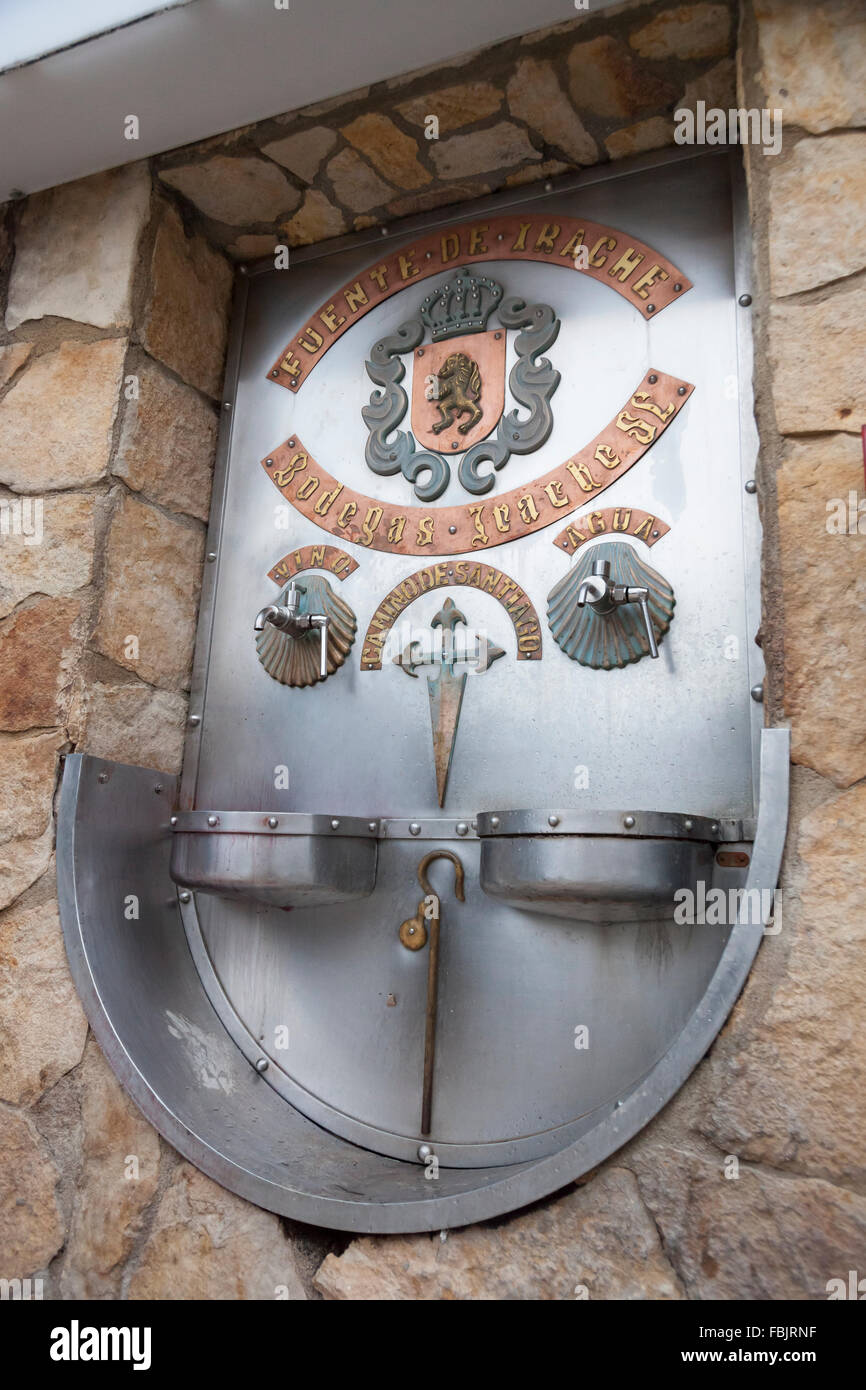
[640, 274]
[477, 525]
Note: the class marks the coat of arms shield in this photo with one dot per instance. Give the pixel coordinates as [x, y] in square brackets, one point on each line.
[458, 386]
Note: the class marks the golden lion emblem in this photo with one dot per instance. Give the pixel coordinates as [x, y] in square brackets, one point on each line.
[459, 390]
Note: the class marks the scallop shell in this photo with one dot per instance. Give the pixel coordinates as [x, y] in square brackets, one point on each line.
[295, 660]
[620, 638]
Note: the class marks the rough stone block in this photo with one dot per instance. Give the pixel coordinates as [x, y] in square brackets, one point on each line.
[167, 443]
[42, 1023]
[187, 316]
[235, 190]
[149, 606]
[817, 213]
[56, 422]
[46, 546]
[77, 248]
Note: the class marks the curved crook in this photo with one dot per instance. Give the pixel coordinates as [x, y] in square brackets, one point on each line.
[458, 872]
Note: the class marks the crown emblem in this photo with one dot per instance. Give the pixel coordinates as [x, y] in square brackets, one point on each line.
[461, 305]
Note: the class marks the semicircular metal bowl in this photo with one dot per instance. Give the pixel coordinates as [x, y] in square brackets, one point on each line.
[603, 866]
[203, 1092]
[284, 860]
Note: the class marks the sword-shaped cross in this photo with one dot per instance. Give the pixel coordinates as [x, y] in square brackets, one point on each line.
[445, 690]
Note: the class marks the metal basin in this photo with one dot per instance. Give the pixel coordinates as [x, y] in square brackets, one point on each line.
[604, 866]
[283, 860]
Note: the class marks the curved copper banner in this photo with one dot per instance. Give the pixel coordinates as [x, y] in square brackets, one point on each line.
[354, 517]
[470, 573]
[313, 557]
[623, 521]
[646, 279]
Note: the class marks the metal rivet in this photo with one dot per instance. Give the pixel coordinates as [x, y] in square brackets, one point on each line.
[497, 335]
[414, 828]
[103, 777]
[618, 1104]
[269, 463]
[628, 822]
[420, 352]
[681, 390]
[424, 1151]
[383, 231]
[650, 308]
[428, 255]
[714, 828]
[494, 821]
[757, 694]
[373, 825]
[656, 535]
[553, 820]
[213, 820]
[262, 1064]
[275, 372]
[454, 444]
[677, 288]
[227, 405]
[293, 383]
[548, 188]
[687, 825]
[211, 555]
[335, 824]
[195, 720]
[652, 379]
[185, 897]
[173, 820]
[452, 530]
[158, 788]
[462, 827]
[751, 485]
[744, 301]
[273, 822]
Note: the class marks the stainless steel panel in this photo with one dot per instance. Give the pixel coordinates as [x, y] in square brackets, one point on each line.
[675, 731]
[325, 998]
[313, 988]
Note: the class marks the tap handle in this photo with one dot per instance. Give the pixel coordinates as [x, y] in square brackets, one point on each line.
[323, 623]
[648, 624]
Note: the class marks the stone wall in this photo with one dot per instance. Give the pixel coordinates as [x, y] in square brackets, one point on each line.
[116, 293]
[589, 90]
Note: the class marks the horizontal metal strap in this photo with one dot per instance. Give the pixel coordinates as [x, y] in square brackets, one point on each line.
[633, 824]
[487, 824]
